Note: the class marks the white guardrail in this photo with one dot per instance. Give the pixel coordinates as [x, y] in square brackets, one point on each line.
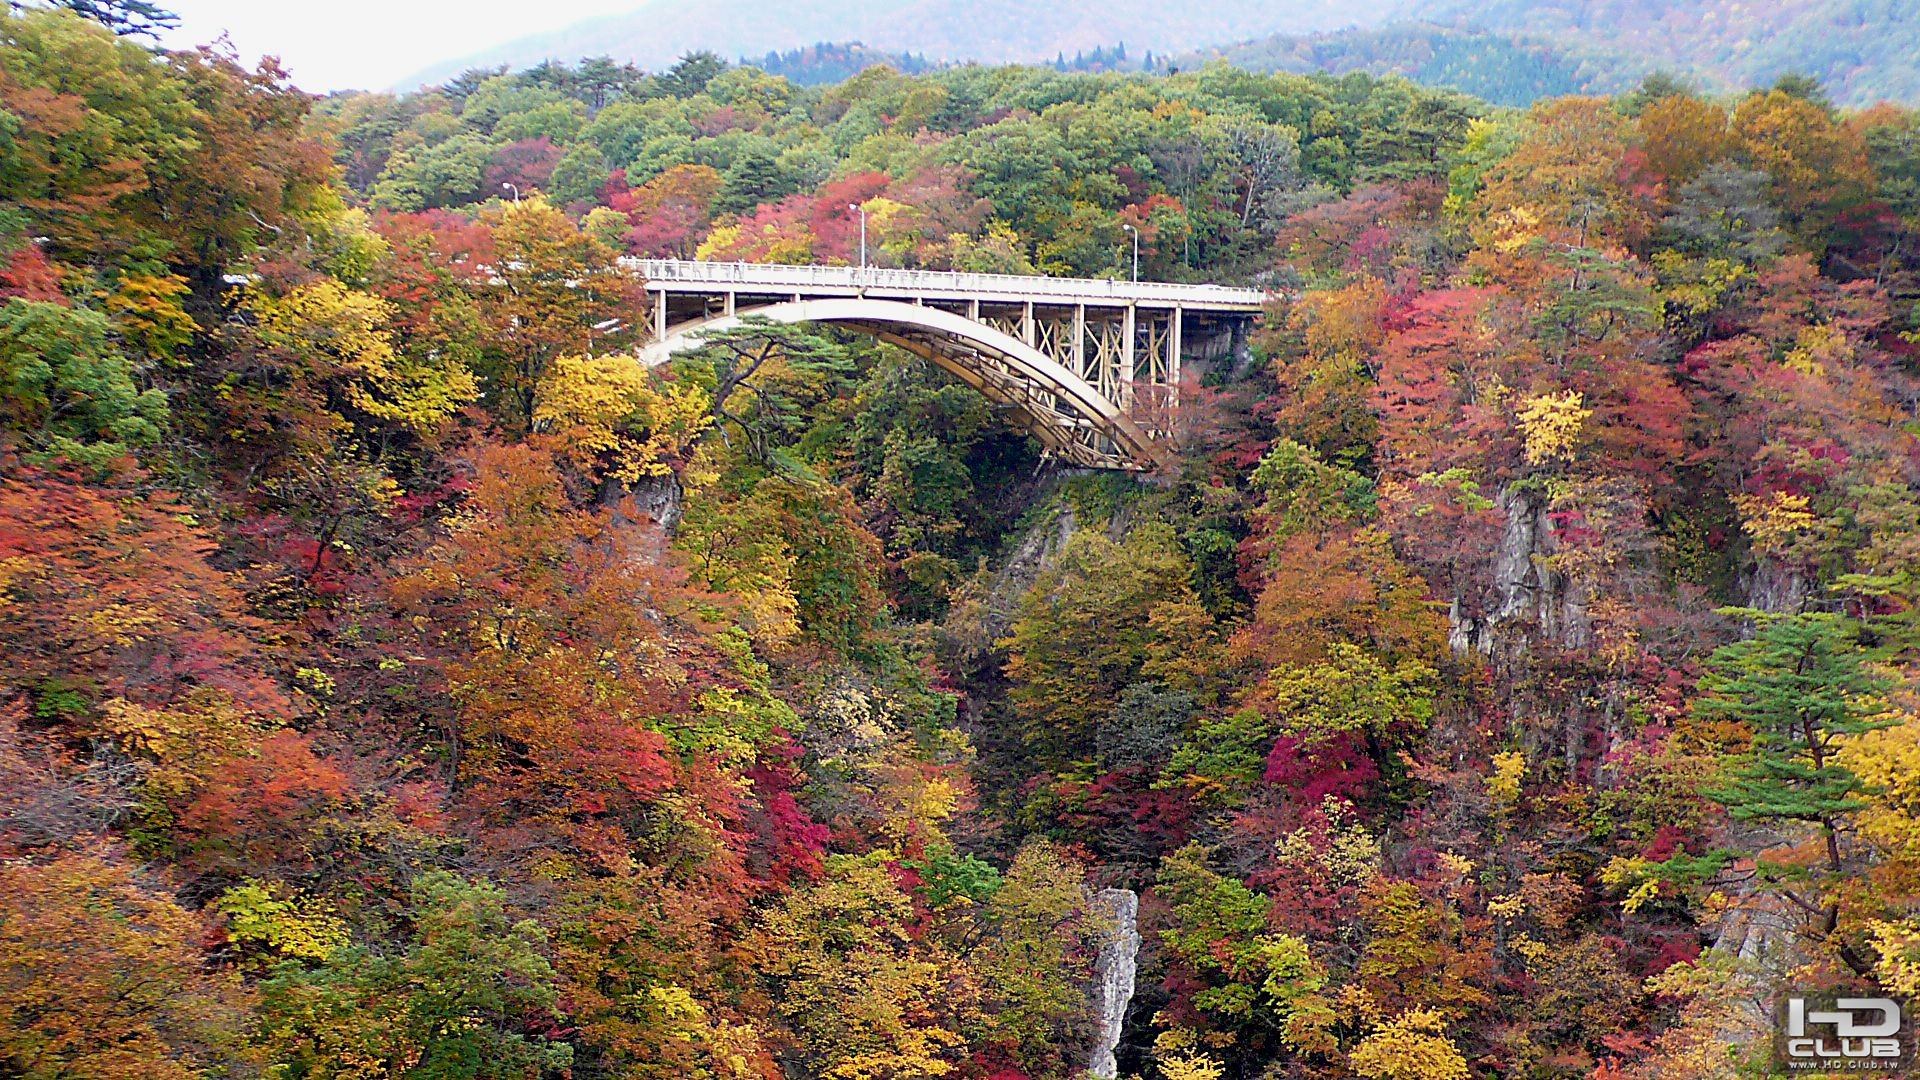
[739, 276]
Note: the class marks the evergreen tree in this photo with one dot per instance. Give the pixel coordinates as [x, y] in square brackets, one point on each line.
[1657, 86]
[1806, 87]
[754, 177]
[1799, 686]
[127, 18]
[600, 80]
[766, 407]
[461, 86]
[551, 74]
[692, 74]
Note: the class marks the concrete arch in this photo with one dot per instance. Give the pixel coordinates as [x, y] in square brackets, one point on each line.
[1069, 416]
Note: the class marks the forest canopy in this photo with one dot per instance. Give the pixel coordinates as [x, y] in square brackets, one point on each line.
[1515, 677]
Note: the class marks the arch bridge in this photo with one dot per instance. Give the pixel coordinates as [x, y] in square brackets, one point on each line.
[1090, 367]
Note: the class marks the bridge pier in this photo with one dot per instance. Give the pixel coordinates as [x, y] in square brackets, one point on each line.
[1080, 341]
[1173, 347]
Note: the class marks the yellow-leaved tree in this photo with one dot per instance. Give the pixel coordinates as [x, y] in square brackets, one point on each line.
[1190, 1066]
[1411, 1046]
[862, 999]
[1552, 424]
[611, 418]
[1888, 761]
[339, 339]
[102, 977]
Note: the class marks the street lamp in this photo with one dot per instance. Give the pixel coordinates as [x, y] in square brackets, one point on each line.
[515, 188]
[862, 211]
[1136, 251]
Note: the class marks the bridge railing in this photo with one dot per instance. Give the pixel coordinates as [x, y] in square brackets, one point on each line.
[736, 276]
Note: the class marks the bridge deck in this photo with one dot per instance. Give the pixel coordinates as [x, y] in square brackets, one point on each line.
[683, 276]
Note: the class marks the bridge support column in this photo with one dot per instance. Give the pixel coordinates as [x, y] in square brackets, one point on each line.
[1126, 356]
[731, 302]
[1079, 352]
[1173, 348]
[1026, 322]
[660, 315]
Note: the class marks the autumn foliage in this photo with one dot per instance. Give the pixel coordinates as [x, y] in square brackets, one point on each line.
[1516, 676]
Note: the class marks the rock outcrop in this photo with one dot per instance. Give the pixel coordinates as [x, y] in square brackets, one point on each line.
[1113, 972]
[1525, 596]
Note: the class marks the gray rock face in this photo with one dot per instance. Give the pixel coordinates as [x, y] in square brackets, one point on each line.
[644, 515]
[970, 629]
[1113, 972]
[1525, 594]
[656, 499]
[1771, 586]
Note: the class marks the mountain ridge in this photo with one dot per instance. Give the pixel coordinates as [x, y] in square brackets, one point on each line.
[993, 31]
[1859, 50]
[1506, 50]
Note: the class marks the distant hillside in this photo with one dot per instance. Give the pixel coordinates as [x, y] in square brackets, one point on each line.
[1862, 50]
[1505, 68]
[1516, 50]
[990, 31]
[826, 63]
[1511, 51]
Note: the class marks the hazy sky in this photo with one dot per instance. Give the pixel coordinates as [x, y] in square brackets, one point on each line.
[371, 44]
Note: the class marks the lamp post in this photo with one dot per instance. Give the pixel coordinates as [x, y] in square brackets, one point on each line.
[1136, 251]
[862, 211]
[515, 188]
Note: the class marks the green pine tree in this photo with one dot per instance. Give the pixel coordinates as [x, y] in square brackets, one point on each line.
[1799, 685]
[127, 18]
